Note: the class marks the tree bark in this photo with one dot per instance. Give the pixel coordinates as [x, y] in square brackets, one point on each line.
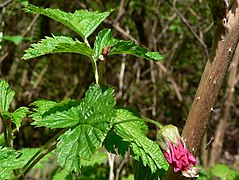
[226, 35]
[217, 144]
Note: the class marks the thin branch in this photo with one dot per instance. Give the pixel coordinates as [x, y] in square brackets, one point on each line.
[5, 3]
[185, 21]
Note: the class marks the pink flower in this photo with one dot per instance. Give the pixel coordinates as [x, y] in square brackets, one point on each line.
[176, 152]
[179, 157]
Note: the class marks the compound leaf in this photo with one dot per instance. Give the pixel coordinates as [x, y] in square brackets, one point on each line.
[82, 22]
[57, 44]
[6, 96]
[82, 141]
[141, 147]
[115, 46]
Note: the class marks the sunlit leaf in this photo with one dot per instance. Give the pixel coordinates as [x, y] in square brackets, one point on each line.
[6, 96]
[88, 120]
[115, 46]
[103, 40]
[57, 44]
[81, 21]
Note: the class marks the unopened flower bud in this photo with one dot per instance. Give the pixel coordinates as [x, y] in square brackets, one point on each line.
[167, 134]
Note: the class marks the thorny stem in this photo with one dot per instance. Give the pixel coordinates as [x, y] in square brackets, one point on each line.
[41, 153]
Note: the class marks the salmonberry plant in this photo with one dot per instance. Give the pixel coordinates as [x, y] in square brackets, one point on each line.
[88, 124]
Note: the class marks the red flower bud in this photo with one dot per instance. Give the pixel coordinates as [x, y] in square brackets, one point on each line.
[176, 152]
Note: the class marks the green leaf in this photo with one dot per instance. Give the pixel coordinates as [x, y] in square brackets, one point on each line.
[6, 96]
[82, 22]
[129, 47]
[89, 121]
[14, 39]
[104, 39]
[8, 162]
[61, 174]
[57, 44]
[141, 147]
[115, 46]
[70, 113]
[17, 116]
[114, 142]
[55, 115]
[98, 158]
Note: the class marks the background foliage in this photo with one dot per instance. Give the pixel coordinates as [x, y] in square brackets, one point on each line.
[161, 91]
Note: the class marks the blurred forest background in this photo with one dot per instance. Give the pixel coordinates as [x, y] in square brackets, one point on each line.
[182, 31]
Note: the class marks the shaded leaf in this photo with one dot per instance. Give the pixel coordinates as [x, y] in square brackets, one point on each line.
[6, 96]
[17, 116]
[82, 22]
[116, 144]
[57, 44]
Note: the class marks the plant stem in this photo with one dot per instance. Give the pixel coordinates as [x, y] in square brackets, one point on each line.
[95, 70]
[5, 132]
[41, 153]
[35, 161]
[101, 72]
[145, 120]
[94, 65]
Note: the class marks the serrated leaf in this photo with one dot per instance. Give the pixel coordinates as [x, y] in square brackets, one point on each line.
[82, 22]
[115, 46]
[55, 115]
[89, 121]
[6, 96]
[129, 47]
[70, 113]
[17, 116]
[8, 162]
[142, 147]
[103, 40]
[57, 44]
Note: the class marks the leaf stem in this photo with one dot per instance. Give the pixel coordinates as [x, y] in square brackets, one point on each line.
[101, 72]
[41, 153]
[144, 119]
[6, 138]
[95, 70]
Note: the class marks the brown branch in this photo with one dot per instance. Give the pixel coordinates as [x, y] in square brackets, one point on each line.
[226, 36]
[224, 121]
[185, 21]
